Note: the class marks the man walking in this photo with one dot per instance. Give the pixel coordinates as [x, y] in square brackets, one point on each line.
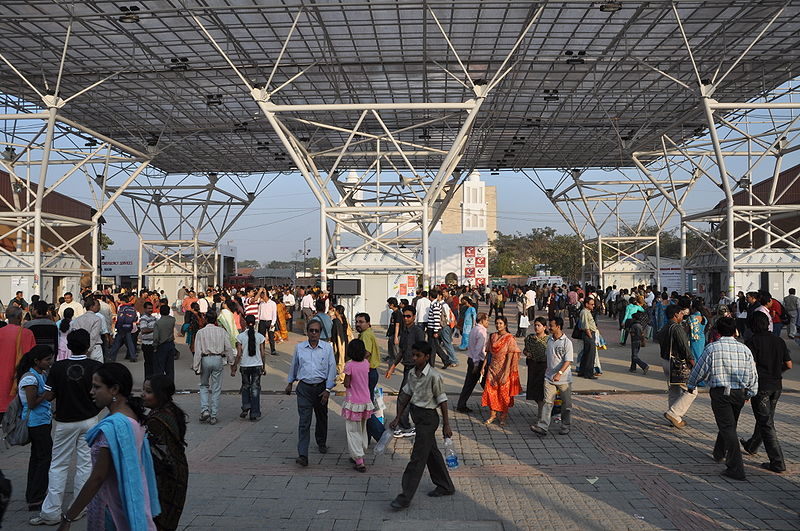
[126, 318]
[212, 348]
[730, 371]
[772, 359]
[434, 326]
[147, 322]
[476, 354]
[588, 329]
[289, 302]
[367, 335]
[675, 343]
[69, 383]
[791, 303]
[557, 377]
[267, 317]
[314, 368]
[44, 329]
[164, 343]
[393, 332]
[410, 334]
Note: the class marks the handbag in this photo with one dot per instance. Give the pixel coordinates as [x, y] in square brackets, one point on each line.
[524, 322]
[15, 428]
[577, 333]
[679, 369]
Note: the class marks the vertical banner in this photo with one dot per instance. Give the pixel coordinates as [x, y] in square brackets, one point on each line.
[474, 265]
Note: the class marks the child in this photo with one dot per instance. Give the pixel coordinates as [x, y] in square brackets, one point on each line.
[637, 341]
[423, 393]
[357, 406]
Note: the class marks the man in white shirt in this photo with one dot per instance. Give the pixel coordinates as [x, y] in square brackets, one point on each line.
[69, 302]
[289, 301]
[93, 323]
[267, 317]
[530, 303]
[423, 305]
[307, 306]
[202, 301]
[212, 349]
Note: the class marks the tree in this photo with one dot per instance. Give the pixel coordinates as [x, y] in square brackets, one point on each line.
[519, 254]
[248, 263]
[105, 241]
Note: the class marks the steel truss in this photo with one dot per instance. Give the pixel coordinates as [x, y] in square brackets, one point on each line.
[188, 217]
[592, 206]
[361, 170]
[41, 152]
[746, 141]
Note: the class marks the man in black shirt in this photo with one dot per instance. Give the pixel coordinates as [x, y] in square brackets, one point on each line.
[772, 358]
[44, 329]
[69, 383]
[393, 332]
[410, 333]
[674, 342]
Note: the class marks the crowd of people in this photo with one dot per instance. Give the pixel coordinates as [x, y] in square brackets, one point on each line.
[131, 466]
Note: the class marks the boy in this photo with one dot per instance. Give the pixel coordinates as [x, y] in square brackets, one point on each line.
[637, 341]
[424, 391]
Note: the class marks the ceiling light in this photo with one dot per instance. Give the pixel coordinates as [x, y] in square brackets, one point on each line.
[179, 64]
[213, 99]
[425, 135]
[575, 61]
[129, 14]
[610, 7]
[91, 142]
[9, 153]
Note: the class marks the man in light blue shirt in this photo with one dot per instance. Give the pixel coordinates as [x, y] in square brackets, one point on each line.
[557, 377]
[314, 368]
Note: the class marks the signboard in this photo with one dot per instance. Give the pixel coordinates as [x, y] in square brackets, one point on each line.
[403, 286]
[474, 262]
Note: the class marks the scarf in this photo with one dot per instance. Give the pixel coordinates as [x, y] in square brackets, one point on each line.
[121, 440]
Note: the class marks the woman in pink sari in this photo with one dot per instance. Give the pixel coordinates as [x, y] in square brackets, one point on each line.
[502, 377]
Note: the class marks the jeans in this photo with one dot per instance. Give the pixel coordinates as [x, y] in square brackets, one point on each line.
[471, 379]
[777, 328]
[210, 382]
[588, 354]
[726, 410]
[764, 411]
[251, 390]
[425, 453]
[403, 423]
[39, 463]
[127, 337]
[679, 398]
[550, 390]
[436, 347]
[165, 359]
[149, 355]
[446, 336]
[308, 402]
[635, 359]
[68, 440]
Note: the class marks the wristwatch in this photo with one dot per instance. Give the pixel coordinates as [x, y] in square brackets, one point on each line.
[561, 372]
[328, 391]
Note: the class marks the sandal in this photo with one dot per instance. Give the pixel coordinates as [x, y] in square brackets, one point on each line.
[489, 421]
[360, 468]
[503, 420]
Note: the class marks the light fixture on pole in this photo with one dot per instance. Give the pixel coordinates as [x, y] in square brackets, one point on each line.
[305, 254]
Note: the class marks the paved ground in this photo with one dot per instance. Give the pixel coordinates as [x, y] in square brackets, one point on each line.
[621, 467]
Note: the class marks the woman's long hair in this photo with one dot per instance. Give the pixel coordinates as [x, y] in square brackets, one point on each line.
[66, 319]
[112, 374]
[250, 321]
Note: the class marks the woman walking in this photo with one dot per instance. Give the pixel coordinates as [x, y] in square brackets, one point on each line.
[251, 359]
[282, 332]
[469, 322]
[118, 492]
[535, 359]
[357, 406]
[502, 379]
[697, 329]
[31, 379]
[166, 433]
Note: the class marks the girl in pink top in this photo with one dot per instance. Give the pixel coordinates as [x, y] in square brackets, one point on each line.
[357, 407]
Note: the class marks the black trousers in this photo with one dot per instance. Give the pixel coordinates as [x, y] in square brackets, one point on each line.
[404, 422]
[436, 347]
[764, 411]
[425, 453]
[39, 463]
[149, 355]
[726, 412]
[588, 355]
[470, 381]
[165, 360]
[308, 401]
[264, 328]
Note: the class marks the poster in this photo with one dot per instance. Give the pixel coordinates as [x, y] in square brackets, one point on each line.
[469, 251]
[474, 265]
[403, 286]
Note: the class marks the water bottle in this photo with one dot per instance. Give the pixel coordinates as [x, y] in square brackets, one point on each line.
[384, 440]
[450, 455]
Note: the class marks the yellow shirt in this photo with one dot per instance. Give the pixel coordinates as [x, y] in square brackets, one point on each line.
[368, 337]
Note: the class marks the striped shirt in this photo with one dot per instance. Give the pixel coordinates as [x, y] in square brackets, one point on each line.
[251, 307]
[435, 315]
[726, 363]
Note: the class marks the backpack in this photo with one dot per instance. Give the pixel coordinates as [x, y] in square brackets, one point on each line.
[126, 316]
[446, 317]
[15, 428]
[561, 302]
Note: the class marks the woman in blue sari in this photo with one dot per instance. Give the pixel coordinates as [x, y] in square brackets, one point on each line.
[121, 492]
[660, 320]
[469, 322]
[697, 329]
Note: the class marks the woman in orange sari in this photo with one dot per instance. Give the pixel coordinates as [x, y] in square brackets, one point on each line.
[282, 332]
[502, 378]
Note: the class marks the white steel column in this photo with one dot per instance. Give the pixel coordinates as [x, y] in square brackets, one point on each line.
[425, 250]
[95, 255]
[600, 261]
[683, 256]
[658, 260]
[40, 189]
[323, 248]
[139, 283]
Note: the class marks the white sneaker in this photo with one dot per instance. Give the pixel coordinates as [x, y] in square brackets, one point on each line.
[41, 520]
[398, 432]
[410, 432]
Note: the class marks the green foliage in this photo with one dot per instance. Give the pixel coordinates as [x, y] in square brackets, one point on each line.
[248, 263]
[518, 254]
[105, 241]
